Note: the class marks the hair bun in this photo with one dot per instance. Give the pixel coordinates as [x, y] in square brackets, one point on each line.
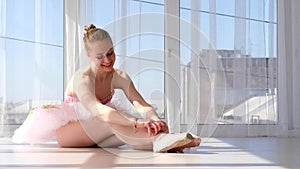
[89, 27]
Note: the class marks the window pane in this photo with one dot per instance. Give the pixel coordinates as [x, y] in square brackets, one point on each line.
[2, 72]
[20, 17]
[31, 57]
[159, 2]
[147, 76]
[257, 10]
[51, 22]
[35, 20]
[203, 5]
[225, 32]
[258, 39]
[225, 7]
[103, 12]
[239, 62]
[41, 77]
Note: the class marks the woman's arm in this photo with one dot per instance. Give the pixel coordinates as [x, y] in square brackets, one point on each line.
[123, 81]
[84, 90]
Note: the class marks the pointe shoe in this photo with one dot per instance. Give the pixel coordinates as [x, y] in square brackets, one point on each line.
[166, 142]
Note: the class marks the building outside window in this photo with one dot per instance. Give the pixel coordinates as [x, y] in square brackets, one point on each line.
[234, 64]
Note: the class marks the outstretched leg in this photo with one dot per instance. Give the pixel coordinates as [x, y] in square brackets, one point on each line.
[95, 131]
[163, 142]
[83, 133]
[112, 141]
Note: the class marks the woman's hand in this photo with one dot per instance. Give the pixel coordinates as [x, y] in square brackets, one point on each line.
[162, 125]
[147, 125]
[152, 127]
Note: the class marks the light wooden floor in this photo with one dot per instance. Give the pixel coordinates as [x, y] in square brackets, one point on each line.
[213, 153]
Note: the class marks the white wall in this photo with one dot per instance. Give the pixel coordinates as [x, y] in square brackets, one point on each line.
[288, 67]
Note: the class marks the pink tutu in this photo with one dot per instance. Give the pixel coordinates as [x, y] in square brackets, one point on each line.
[42, 122]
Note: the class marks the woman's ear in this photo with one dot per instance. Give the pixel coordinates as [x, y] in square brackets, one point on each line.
[87, 53]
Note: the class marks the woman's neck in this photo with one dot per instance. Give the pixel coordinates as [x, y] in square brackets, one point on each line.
[99, 75]
[102, 76]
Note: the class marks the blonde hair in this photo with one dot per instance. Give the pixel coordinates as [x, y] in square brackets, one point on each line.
[93, 34]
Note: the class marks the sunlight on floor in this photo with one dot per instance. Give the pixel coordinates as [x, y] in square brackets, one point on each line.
[215, 153]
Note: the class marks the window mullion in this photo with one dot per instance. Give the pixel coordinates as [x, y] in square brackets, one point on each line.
[172, 65]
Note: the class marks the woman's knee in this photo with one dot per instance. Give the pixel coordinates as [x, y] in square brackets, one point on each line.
[72, 135]
[61, 140]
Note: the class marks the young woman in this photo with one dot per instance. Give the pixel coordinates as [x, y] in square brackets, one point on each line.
[88, 115]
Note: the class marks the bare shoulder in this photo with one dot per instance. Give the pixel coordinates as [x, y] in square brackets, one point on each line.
[80, 77]
[120, 79]
[121, 74]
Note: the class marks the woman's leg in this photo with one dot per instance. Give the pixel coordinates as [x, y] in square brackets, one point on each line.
[111, 141]
[83, 133]
[73, 135]
[162, 142]
[139, 139]
[94, 131]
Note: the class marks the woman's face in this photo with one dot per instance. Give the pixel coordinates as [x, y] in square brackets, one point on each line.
[103, 55]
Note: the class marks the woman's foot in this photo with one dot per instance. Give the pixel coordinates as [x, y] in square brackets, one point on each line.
[196, 142]
[175, 142]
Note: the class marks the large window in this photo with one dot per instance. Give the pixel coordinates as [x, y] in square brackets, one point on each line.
[228, 55]
[31, 46]
[229, 59]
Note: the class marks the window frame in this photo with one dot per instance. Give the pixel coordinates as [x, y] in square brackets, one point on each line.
[222, 130]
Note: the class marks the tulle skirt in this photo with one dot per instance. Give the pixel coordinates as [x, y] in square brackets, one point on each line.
[42, 122]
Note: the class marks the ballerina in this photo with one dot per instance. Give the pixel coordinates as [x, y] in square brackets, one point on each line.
[89, 115]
